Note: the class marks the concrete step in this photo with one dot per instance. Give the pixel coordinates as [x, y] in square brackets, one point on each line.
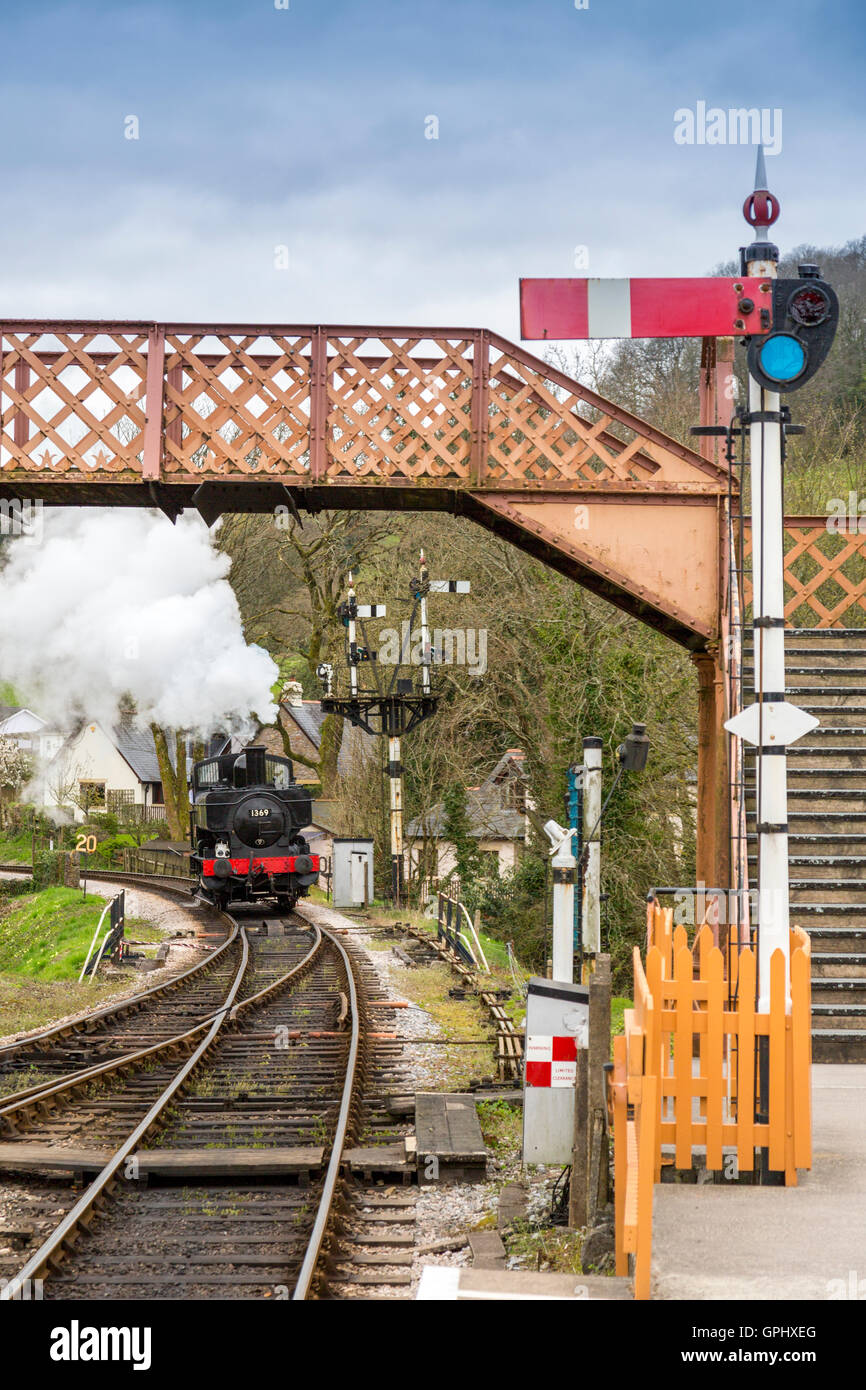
[834, 821]
[806, 656]
[822, 869]
[834, 1045]
[837, 757]
[844, 911]
[838, 989]
[835, 940]
[833, 965]
[820, 845]
[841, 716]
[849, 676]
[828, 892]
[849, 805]
[832, 695]
[831, 637]
[838, 1017]
[820, 781]
[831, 735]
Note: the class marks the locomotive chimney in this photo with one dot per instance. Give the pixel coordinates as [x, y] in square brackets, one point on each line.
[255, 761]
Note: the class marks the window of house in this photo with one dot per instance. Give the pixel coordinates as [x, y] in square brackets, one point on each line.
[156, 794]
[91, 795]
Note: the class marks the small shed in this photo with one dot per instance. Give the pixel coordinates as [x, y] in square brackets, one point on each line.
[352, 868]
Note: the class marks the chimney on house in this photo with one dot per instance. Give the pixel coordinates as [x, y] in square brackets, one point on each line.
[126, 712]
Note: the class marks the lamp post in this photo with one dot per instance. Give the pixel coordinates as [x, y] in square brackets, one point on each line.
[632, 756]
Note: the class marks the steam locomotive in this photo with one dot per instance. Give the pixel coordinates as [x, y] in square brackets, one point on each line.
[245, 829]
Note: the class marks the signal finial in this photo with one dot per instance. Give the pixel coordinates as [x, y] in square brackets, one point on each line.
[760, 210]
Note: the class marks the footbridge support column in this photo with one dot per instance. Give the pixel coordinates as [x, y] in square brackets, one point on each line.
[713, 832]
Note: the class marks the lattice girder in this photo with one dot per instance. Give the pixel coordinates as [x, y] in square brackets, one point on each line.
[820, 553]
[429, 406]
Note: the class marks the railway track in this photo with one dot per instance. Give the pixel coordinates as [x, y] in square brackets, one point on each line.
[257, 1099]
[253, 1120]
[160, 1012]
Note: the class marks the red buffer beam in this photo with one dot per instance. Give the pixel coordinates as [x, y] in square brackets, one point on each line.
[715, 307]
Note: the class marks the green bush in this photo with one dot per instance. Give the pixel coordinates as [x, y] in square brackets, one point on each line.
[46, 868]
[513, 908]
[109, 849]
[15, 887]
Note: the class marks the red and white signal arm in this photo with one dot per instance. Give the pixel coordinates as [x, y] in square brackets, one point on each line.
[709, 307]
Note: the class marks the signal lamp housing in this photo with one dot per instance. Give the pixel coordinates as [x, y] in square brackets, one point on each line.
[805, 317]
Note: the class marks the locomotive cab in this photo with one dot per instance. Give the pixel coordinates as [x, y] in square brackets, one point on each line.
[246, 822]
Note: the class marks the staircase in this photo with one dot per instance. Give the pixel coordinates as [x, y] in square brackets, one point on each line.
[826, 675]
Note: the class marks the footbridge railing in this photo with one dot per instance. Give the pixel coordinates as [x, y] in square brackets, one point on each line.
[825, 569]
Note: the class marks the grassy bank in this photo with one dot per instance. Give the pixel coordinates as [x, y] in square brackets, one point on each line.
[43, 944]
[45, 935]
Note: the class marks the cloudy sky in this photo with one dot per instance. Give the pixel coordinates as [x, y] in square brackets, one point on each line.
[306, 128]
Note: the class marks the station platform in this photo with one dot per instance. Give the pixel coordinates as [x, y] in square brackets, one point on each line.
[776, 1243]
[450, 1284]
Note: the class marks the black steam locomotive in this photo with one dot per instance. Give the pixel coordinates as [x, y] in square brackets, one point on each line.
[245, 828]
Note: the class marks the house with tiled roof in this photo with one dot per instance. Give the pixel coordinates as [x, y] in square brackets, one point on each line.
[105, 767]
[497, 814]
[303, 719]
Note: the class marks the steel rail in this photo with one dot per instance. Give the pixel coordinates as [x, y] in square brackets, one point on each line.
[50, 1250]
[305, 1278]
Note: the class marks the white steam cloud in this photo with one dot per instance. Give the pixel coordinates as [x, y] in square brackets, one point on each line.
[116, 602]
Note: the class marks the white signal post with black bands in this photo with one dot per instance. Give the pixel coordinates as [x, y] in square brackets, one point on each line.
[771, 723]
[391, 708]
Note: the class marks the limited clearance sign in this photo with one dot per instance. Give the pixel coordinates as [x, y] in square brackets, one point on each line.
[715, 307]
[551, 1061]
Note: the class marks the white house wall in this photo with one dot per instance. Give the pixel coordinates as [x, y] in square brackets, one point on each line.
[91, 757]
[446, 859]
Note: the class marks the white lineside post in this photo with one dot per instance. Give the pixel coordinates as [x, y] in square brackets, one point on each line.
[768, 658]
[771, 762]
[771, 722]
[591, 900]
[395, 778]
[426, 654]
[564, 864]
[353, 643]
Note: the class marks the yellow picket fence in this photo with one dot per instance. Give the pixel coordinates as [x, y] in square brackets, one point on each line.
[685, 1072]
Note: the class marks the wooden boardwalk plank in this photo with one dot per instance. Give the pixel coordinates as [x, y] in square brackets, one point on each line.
[228, 1163]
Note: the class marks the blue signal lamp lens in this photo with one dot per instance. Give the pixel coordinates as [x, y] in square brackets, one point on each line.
[782, 357]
